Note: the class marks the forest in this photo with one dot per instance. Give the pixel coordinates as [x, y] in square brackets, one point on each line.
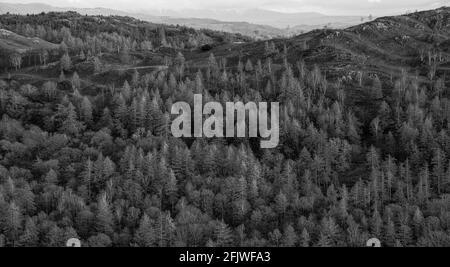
[86, 149]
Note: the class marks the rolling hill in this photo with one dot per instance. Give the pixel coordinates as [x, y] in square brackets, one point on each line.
[276, 19]
[259, 24]
[383, 45]
[29, 48]
[12, 42]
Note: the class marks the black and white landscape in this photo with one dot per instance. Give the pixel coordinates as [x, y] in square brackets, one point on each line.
[86, 149]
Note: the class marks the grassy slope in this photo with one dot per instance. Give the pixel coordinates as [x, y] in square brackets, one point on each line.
[12, 42]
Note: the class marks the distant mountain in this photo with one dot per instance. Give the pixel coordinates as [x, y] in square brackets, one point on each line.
[35, 8]
[252, 30]
[256, 23]
[261, 16]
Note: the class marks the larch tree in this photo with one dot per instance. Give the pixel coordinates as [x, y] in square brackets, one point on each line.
[223, 235]
[65, 62]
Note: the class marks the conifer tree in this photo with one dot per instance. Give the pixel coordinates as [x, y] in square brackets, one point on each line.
[65, 62]
[304, 239]
[438, 165]
[223, 234]
[145, 234]
[104, 217]
[76, 81]
[86, 110]
[289, 237]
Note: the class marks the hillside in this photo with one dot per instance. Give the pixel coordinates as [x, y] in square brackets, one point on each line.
[252, 30]
[259, 24]
[12, 42]
[29, 49]
[383, 45]
[123, 43]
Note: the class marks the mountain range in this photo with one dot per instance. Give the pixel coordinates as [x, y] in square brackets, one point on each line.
[256, 23]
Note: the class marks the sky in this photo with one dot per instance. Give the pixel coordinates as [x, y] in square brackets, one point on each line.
[329, 7]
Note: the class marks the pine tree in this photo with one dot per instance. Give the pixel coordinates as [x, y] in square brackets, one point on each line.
[377, 90]
[71, 126]
[281, 203]
[76, 83]
[447, 178]
[179, 65]
[65, 62]
[198, 83]
[376, 224]
[106, 121]
[104, 217]
[329, 230]
[30, 235]
[86, 110]
[51, 177]
[62, 77]
[423, 193]
[13, 221]
[343, 203]
[304, 239]
[373, 158]
[389, 232]
[170, 188]
[163, 39]
[223, 235]
[164, 230]
[108, 168]
[135, 79]
[406, 175]
[145, 234]
[213, 67]
[289, 237]
[121, 110]
[275, 238]
[249, 66]
[354, 237]
[97, 65]
[438, 170]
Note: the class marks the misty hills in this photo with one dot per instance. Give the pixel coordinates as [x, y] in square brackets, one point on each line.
[256, 23]
[261, 16]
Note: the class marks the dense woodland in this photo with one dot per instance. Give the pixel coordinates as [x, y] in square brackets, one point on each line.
[103, 166]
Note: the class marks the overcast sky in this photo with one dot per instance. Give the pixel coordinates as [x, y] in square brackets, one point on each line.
[338, 7]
